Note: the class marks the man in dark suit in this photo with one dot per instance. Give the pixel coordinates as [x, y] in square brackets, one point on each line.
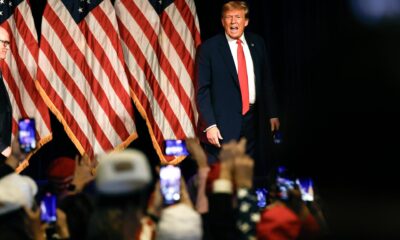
[5, 105]
[234, 84]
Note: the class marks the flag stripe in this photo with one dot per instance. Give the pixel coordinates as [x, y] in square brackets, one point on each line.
[57, 100]
[180, 54]
[185, 64]
[14, 89]
[83, 77]
[73, 95]
[146, 66]
[25, 33]
[108, 70]
[141, 94]
[175, 39]
[159, 51]
[19, 72]
[79, 59]
[187, 16]
[168, 70]
[165, 77]
[14, 76]
[98, 50]
[112, 30]
[156, 91]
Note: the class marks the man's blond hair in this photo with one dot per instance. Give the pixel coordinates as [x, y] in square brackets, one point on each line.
[235, 5]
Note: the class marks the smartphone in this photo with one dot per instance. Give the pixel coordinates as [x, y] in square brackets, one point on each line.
[277, 137]
[175, 148]
[262, 194]
[170, 184]
[306, 189]
[284, 185]
[27, 134]
[48, 208]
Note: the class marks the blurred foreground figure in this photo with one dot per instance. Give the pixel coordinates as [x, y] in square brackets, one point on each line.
[5, 104]
[122, 185]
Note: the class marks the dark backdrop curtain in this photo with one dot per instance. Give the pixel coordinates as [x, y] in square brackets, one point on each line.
[338, 84]
[300, 38]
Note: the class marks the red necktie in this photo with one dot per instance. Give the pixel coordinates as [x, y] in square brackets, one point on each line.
[242, 74]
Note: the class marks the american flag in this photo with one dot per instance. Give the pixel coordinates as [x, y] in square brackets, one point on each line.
[159, 41]
[20, 68]
[82, 75]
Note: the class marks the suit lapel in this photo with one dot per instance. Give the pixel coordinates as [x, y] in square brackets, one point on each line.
[228, 58]
[4, 90]
[226, 54]
[254, 55]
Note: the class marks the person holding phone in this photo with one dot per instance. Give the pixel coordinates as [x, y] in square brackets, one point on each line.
[5, 104]
[171, 208]
[11, 163]
[170, 184]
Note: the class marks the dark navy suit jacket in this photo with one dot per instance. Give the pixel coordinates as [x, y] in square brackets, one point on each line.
[218, 93]
[5, 118]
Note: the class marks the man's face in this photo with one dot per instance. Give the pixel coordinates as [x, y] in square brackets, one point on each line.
[234, 23]
[4, 43]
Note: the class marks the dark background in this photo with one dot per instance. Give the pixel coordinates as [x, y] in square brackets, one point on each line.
[338, 82]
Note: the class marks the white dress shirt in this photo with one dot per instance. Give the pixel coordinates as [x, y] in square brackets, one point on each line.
[249, 64]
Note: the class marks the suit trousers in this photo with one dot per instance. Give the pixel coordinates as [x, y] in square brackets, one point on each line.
[247, 130]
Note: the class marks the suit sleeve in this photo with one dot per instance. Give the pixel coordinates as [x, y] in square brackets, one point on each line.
[204, 84]
[270, 95]
[5, 117]
[3, 135]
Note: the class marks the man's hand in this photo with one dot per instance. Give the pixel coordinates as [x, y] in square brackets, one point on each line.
[213, 136]
[34, 225]
[233, 149]
[243, 171]
[197, 152]
[274, 124]
[185, 198]
[62, 224]
[154, 206]
[85, 172]
[6, 152]
[230, 151]
[16, 156]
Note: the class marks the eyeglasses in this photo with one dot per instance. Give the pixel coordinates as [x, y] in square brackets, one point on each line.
[5, 43]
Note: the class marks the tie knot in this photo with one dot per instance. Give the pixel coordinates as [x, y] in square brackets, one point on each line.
[239, 42]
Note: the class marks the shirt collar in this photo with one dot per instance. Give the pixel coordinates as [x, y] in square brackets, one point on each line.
[230, 40]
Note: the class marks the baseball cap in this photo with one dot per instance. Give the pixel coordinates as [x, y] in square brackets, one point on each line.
[278, 222]
[61, 168]
[179, 222]
[16, 191]
[123, 172]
